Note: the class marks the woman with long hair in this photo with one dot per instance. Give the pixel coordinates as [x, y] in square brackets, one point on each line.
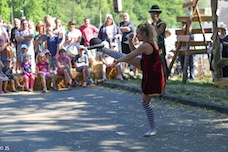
[153, 81]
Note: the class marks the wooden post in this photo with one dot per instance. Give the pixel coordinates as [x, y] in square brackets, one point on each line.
[216, 43]
[186, 56]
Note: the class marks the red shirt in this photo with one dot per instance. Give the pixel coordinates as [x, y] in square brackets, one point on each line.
[88, 32]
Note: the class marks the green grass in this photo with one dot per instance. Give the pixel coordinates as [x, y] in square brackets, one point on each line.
[201, 89]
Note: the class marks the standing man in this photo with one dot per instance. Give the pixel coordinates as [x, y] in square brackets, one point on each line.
[25, 36]
[88, 32]
[160, 28]
[17, 25]
[127, 28]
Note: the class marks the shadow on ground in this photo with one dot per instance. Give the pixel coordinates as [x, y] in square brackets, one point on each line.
[101, 119]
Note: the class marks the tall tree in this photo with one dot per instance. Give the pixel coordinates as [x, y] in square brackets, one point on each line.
[78, 9]
[5, 10]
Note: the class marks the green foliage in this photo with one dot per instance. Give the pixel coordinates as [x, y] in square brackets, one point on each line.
[5, 10]
[67, 10]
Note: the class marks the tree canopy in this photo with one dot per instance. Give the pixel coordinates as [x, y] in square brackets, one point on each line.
[67, 10]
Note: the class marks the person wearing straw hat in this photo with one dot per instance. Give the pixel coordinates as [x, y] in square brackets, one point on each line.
[160, 28]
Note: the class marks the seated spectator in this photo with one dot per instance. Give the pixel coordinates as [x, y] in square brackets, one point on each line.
[7, 70]
[169, 57]
[81, 63]
[43, 71]
[107, 62]
[13, 56]
[64, 67]
[3, 79]
[47, 53]
[133, 69]
[26, 69]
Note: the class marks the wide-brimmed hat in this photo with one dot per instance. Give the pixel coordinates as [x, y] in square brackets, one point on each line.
[95, 43]
[155, 8]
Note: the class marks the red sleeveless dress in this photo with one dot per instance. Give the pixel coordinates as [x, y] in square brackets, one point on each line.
[153, 81]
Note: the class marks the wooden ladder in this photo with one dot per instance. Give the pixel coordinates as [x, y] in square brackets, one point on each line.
[184, 36]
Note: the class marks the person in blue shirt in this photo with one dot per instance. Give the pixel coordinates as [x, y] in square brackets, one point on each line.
[53, 42]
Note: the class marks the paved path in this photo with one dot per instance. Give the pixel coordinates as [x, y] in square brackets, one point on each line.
[105, 120]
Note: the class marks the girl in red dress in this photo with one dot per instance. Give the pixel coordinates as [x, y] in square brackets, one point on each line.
[153, 81]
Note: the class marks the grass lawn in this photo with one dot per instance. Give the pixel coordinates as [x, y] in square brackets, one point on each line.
[201, 89]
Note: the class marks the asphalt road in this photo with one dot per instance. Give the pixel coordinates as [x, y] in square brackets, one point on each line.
[99, 119]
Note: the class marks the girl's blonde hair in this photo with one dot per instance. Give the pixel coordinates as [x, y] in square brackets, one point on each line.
[151, 34]
[40, 55]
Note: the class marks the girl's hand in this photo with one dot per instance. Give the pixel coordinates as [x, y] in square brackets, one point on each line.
[131, 36]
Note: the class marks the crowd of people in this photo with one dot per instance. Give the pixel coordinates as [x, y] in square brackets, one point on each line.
[48, 48]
